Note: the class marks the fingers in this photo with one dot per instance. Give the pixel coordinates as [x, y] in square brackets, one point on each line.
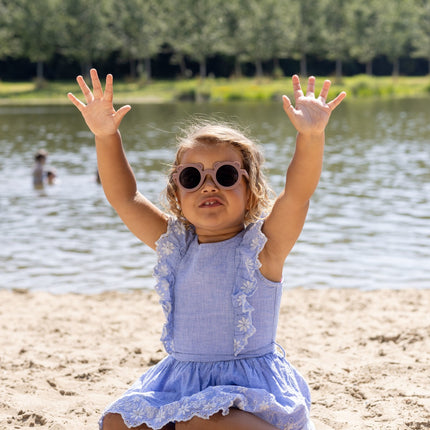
[84, 88]
[324, 91]
[109, 88]
[311, 86]
[296, 87]
[97, 86]
[310, 92]
[97, 93]
[313, 111]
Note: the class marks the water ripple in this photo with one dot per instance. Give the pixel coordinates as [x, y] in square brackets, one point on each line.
[368, 224]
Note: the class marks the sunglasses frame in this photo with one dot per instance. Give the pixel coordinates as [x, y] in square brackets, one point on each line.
[211, 172]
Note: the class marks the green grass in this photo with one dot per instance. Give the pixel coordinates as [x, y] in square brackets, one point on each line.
[214, 90]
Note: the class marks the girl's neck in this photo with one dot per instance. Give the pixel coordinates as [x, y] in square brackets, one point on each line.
[212, 237]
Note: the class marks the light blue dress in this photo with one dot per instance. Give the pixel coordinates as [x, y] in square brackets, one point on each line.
[221, 319]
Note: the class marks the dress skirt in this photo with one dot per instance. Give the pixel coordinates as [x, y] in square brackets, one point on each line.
[172, 391]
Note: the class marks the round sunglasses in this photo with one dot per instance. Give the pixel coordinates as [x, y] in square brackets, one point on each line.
[225, 174]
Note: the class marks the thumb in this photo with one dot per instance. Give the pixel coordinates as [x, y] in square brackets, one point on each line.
[288, 107]
[121, 112]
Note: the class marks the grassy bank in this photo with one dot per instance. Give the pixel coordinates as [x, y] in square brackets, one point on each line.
[214, 90]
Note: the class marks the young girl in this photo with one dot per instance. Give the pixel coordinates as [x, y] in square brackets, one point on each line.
[219, 270]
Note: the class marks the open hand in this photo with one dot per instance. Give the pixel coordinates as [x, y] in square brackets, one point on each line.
[99, 113]
[310, 115]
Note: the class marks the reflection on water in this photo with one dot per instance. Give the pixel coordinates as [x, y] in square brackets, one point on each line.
[368, 226]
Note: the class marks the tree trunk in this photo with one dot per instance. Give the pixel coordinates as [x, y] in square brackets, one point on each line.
[182, 66]
[203, 69]
[277, 71]
[39, 73]
[303, 66]
[396, 68]
[132, 64]
[148, 69]
[238, 68]
[258, 68]
[369, 68]
[338, 70]
[139, 68]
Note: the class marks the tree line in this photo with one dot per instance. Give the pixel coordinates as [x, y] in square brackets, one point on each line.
[187, 35]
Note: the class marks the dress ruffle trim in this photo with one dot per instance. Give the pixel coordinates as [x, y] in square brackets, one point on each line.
[247, 263]
[136, 409]
[171, 247]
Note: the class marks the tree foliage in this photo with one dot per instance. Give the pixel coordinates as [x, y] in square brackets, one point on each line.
[138, 33]
[85, 32]
[34, 23]
[364, 19]
[9, 42]
[396, 22]
[421, 33]
[236, 31]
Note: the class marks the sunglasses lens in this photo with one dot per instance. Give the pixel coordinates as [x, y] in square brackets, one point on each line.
[189, 178]
[227, 175]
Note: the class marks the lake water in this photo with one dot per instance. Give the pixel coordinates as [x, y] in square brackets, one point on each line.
[368, 225]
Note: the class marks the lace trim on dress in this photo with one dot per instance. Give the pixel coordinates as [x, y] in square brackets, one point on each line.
[136, 410]
[247, 263]
[170, 248]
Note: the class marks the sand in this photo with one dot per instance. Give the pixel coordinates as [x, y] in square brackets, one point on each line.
[366, 355]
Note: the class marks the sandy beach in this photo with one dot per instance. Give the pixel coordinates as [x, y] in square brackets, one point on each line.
[366, 355]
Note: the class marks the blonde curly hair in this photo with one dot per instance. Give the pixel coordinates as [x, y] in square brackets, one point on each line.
[210, 133]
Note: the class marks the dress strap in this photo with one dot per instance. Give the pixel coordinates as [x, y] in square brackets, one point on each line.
[170, 247]
[247, 264]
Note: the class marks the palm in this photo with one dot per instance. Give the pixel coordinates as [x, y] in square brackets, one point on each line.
[100, 117]
[311, 115]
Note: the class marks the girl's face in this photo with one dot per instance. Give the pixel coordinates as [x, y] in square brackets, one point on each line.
[215, 213]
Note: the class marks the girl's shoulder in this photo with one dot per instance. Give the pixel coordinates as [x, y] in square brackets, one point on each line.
[177, 236]
[254, 239]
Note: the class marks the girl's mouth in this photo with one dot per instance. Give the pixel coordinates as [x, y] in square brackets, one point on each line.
[210, 203]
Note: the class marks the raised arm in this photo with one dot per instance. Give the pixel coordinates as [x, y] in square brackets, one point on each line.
[142, 217]
[285, 223]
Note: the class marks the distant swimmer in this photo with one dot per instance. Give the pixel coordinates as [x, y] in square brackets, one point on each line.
[51, 176]
[38, 169]
[43, 175]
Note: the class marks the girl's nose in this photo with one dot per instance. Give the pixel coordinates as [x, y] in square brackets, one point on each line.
[209, 184]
